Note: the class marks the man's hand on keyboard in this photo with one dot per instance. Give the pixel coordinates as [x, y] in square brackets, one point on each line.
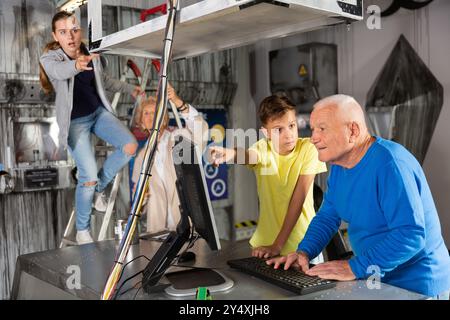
[266, 251]
[299, 260]
[333, 270]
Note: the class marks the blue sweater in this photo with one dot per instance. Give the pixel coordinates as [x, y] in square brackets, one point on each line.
[392, 220]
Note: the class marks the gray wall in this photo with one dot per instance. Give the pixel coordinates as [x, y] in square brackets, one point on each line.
[25, 28]
[31, 221]
[243, 115]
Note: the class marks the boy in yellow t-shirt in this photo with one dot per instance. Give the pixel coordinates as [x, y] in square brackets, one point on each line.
[285, 166]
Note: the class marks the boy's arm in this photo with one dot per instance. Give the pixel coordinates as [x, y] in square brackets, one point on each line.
[220, 155]
[293, 213]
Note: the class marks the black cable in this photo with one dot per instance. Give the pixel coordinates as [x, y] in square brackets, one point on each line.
[133, 287]
[192, 239]
[121, 274]
[132, 260]
[135, 295]
[116, 295]
[140, 282]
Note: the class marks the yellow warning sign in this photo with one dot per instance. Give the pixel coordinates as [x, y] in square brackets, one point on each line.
[302, 71]
[245, 224]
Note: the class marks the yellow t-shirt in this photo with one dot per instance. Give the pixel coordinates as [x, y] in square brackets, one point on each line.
[276, 177]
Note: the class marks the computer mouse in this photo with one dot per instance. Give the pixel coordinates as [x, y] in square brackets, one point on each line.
[186, 257]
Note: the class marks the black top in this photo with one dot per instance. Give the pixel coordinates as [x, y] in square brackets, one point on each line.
[85, 96]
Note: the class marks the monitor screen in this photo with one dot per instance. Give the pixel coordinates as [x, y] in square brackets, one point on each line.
[194, 191]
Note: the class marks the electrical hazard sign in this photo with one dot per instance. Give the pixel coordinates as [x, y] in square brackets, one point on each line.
[302, 71]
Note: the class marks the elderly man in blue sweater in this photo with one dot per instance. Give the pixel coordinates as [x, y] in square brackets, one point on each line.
[380, 190]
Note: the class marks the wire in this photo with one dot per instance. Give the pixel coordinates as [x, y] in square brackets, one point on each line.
[116, 295]
[192, 239]
[133, 287]
[135, 295]
[132, 260]
[128, 279]
[140, 282]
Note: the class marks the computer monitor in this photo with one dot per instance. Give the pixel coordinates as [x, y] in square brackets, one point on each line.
[195, 207]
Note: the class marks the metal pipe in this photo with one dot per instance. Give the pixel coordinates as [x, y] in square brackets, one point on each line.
[150, 149]
[157, 66]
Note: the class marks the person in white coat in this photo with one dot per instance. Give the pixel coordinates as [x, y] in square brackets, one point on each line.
[162, 205]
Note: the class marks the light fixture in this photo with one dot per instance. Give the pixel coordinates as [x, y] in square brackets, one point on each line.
[70, 5]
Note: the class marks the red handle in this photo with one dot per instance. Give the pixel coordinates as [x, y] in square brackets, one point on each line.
[161, 8]
[134, 67]
[157, 64]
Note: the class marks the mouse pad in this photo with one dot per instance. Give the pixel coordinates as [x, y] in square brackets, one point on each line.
[194, 278]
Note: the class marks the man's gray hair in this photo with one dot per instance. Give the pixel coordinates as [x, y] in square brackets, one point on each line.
[339, 100]
[346, 108]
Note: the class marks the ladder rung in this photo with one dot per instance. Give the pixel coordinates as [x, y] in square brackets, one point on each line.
[69, 242]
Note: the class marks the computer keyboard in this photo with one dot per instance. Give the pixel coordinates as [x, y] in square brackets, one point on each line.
[291, 279]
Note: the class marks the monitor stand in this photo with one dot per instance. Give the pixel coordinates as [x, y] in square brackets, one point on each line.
[186, 282]
[166, 253]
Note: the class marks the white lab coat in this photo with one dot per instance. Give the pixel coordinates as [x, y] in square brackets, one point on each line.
[162, 206]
